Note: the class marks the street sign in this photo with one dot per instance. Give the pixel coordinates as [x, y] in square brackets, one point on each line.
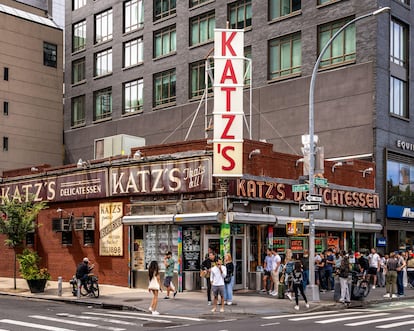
[321, 182]
[314, 198]
[300, 188]
[309, 206]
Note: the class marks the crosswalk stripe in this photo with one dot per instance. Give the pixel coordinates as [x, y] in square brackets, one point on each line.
[185, 318]
[34, 325]
[4, 330]
[378, 320]
[304, 318]
[393, 325]
[333, 320]
[102, 319]
[61, 320]
[296, 315]
[131, 317]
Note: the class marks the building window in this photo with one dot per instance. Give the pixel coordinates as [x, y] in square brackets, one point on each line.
[322, 2]
[398, 97]
[78, 71]
[76, 4]
[194, 3]
[247, 64]
[164, 8]
[79, 36]
[280, 8]
[285, 56]
[197, 79]
[5, 144]
[88, 237]
[343, 48]
[405, 2]
[6, 73]
[133, 52]
[400, 179]
[78, 111]
[5, 108]
[103, 104]
[67, 238]
[103, 62]
[202, 28]
[164, 88]
[240, 14]
[133, 96]
[49, 55]
[133, 15]
[165, 41]
[103, 26]
[398, 43]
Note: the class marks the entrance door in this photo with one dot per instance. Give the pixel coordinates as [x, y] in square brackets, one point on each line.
[238, 254]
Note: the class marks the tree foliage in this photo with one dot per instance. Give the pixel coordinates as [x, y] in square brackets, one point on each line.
[17, 219]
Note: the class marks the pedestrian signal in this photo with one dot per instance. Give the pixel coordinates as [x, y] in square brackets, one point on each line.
[294, 228]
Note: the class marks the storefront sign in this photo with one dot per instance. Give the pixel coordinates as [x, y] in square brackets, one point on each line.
[399, 212]
[191, 248]
[405, 145]
[111, 229]
[228, 102]
[224, 239]
[279, 244]
[177, 176]
[283, 192]
[297, 245]
[381, 242]
[333, 242]
[78, 186]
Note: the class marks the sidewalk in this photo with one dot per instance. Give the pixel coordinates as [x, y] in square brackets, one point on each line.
[190, 303]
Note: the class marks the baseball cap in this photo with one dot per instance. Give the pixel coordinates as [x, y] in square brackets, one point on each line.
[86, 260]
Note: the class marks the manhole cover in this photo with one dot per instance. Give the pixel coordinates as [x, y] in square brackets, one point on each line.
[159, 324]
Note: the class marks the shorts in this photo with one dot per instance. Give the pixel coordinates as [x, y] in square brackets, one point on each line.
[372, 270]
[267, 273]
[167, 281]
[216, 290]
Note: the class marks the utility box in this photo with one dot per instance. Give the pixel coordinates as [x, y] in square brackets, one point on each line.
[120, 144]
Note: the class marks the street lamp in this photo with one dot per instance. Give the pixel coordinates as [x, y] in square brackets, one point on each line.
[314, 289]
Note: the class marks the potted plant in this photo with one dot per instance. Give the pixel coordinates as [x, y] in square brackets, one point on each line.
[30, 270]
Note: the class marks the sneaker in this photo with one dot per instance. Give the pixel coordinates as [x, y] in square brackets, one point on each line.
[289, 296]
[221, 310]
[307, 305]
[166, 297]
[275, 294]
[394, 296]
[209, 303]
[150, 308]
[175, 293]
[155, 312]
[296, 307]
[401, 295]
[229, 303]
[270, 292]
[373, 287]
[263, 290]
[387, 295]
[213, 310]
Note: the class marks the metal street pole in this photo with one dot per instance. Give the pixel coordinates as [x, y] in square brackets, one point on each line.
[313, 288]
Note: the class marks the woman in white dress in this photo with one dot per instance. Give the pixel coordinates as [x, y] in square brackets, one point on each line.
[154, 286]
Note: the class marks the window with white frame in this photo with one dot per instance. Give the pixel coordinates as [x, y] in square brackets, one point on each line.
[165, 41]
[103, 26]
[133, 96]
[103, 62]
[398, 43]
[133, 52]
[202, 28]
[398, 97]
[133, 15]
[197, 79]
[79, 36]
[343, 48]
[280, 8]
[240, 14]
[194, 3]
[78, 111]
[285, 56]
[76, 4]
[164, 88]
[103, 104]
[78, 70]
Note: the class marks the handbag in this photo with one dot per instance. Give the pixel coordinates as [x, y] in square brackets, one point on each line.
[227, 279]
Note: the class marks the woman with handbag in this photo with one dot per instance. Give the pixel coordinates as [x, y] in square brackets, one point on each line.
[228, 280]
[154, 285]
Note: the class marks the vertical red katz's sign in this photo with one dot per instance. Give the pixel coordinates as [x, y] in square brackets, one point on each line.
[228, 102]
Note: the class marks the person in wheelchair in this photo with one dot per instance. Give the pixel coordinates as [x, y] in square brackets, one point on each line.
[83, 270]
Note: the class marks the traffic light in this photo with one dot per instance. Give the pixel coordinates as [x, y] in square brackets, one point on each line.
[294, 228]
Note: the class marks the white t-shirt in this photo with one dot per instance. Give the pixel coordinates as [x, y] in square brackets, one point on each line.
[276, 261]
[217, 278]
[374, 260]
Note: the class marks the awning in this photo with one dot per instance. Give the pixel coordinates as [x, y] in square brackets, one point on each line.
[148, 219]
[328, 224]
[251, 218]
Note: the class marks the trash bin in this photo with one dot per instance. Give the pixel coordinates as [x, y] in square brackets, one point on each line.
[192, 281]
[281, 291]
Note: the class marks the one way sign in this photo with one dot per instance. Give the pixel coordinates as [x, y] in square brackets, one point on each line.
[309, 206]
[314, 198]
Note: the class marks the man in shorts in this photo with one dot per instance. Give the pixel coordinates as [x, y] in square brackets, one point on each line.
[374, 266]
[217, 275]
[268, 267]
[169, 273]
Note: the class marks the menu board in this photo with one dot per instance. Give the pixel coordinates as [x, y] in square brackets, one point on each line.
[191, 248]
[279, 244]
[297, 245]
[320, 244]
[150, 244]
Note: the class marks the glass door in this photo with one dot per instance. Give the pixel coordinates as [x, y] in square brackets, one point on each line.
[238, 254]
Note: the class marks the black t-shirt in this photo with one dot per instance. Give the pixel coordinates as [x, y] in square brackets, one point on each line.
[82, 270]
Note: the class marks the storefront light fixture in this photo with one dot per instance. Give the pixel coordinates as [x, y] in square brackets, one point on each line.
[367, 171]
[337, 164]
[254, 152]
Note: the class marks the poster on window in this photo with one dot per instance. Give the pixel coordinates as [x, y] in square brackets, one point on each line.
[191, 248]
[110, 229]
